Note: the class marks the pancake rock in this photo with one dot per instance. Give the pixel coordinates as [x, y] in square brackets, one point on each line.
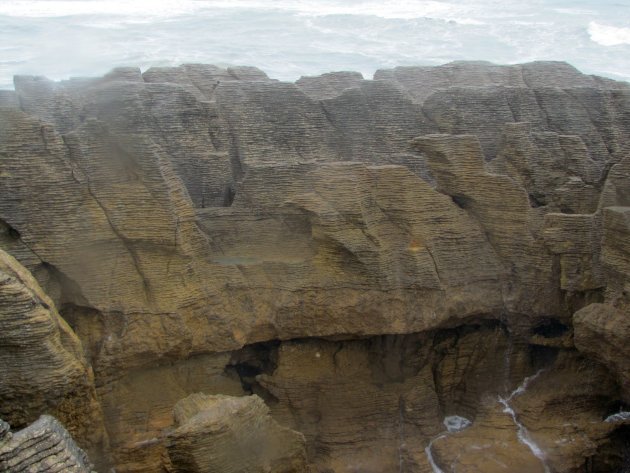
[369, 257]
[232, 434]
[601, 332]
[43, 366]
[44, 446]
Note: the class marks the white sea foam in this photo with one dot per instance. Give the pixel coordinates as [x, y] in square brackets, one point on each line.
[391, 9]
[574, 11]
[456, 423]
[61, 8]
[607, 35]
[621, 416]
[291, 38]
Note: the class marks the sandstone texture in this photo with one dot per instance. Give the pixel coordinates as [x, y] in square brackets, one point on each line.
[361, 260]
[42, 447]
[43, 365]
[226, 434]
[601, 332]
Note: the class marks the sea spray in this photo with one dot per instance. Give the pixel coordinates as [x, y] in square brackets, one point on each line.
[316, 36]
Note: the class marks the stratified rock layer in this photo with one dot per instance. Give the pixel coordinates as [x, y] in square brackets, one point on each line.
[223, 434]
[214, 230]
[42, 447]
[601, 331]
[43, 366]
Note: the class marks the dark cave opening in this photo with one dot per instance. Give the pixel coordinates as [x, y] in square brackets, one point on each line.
[550, 328]
[251, 361]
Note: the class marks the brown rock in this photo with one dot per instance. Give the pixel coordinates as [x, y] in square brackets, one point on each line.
[601, 332]
[223, 434]
[43, 446]
[44, 369]
[176, 215]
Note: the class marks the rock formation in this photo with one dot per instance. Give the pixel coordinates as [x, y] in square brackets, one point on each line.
[226, 434]
[369, 257]
[43, 366]
[42, 447]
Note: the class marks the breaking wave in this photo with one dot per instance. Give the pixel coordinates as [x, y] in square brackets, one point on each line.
[608, 35]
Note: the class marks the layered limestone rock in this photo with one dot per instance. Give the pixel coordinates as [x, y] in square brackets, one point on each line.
[43, 366]
[601, 331]
[178, 215]
[553, 421]
[223, 434]
[42, 447]
[381, 404]
[139, 406]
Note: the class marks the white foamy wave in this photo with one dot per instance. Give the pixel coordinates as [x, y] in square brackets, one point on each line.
[607, 35]
[573, 11]
[456, 423]
[61, 8]
[291, 38]
[391, 9]
[621, 416]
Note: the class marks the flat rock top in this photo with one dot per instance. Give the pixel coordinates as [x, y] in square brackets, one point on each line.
[215, 409]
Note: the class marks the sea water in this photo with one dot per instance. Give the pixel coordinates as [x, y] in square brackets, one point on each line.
[291, 38]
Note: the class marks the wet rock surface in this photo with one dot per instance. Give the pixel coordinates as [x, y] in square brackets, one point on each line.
[369, 257]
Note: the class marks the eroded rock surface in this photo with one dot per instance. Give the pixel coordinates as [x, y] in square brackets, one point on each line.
[45, 446]
[368, 256]
[43, 366]
[223, 434]
[601, 332]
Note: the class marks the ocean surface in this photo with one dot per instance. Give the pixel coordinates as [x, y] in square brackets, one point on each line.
[291, 38]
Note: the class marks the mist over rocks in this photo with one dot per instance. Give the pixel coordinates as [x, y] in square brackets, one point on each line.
[369, 257]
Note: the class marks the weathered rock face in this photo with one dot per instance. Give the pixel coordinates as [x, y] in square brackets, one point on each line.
[601, 332]
[226, 434]
[216, 231]
[43, 365]
[43, 447]
[370, 405]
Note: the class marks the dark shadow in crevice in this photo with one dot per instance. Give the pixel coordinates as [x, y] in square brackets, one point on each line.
[536, 201]
[613, 456]
[550, 328]
[251, 361]
[614, 407]
[462, 202]
[541, 357]
[228, 196]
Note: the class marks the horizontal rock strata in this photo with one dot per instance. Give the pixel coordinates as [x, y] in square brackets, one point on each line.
[226, 434]
[45, 446]
[369, 257]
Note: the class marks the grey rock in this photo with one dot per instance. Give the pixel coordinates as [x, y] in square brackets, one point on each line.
[43, 447]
